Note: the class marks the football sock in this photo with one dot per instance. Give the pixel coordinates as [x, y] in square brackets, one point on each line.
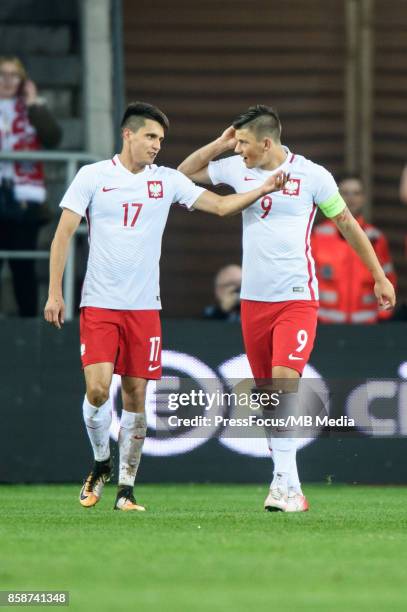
[282, 446]
[293, 478]
[283, 453]
[132, 433]
[97, 421]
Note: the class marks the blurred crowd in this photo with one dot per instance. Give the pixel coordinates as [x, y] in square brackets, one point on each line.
[345, 284]
[26, 124]
[346, 292]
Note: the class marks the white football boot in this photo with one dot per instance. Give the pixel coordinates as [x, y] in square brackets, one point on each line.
[296, 502]
[276, 500]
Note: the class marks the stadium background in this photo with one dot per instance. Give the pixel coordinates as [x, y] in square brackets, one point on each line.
[336, 73]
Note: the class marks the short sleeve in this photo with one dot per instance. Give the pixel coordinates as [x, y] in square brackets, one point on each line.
[223, 170]
[186, 192]
[80, 192]
[325, 192]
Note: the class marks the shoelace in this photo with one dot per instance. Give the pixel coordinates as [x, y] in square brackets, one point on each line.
[277, 494]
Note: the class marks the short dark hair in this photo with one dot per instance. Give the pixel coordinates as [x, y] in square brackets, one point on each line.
[137, 112]
[260, 119]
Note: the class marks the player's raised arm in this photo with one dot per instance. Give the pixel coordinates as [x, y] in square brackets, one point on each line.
[54, 311]
[226, 206]
[356, 237]
[195, 166]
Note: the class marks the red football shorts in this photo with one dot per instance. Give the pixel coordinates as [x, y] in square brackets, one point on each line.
[130, 339]
[278, 334]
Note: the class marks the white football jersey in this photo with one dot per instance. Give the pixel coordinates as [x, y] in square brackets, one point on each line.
[126, 216]
[277, 260]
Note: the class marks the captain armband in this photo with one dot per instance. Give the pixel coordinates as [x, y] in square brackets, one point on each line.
[333, 206]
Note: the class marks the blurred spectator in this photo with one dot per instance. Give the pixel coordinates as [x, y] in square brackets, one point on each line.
[401, 310]
[227, 295]
[345, 284]
[403, 185]
[25, 124]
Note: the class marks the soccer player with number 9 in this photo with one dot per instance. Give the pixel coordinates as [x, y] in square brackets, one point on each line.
[279, 296]
[126, 201]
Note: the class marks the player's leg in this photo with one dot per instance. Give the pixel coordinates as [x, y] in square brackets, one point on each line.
[293, 339]
[99, 335]
[294, 483]
[257, 328]
[97, 415]
[283, 444]
[97, 409]
[281, 441]
[138, 361]
[132, 433]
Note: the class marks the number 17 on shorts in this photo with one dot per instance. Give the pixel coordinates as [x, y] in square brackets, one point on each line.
[155, 354]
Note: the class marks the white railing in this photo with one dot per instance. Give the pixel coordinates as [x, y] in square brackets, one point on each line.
[71, 159]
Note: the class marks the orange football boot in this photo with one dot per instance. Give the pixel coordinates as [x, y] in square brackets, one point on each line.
[92, 488]
[126, 501]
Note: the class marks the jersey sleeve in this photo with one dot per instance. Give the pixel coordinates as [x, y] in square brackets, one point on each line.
[80, 192]
[223, 171]
[325, 193]
[186, 192]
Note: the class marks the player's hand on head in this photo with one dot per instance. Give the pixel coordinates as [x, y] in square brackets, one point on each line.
[228, 137]
[384, 291]
[54, 311]
[276, 182]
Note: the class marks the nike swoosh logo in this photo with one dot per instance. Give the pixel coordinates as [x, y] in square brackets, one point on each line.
[82, 495]
[292, 357]
[109, 188]
[246, 178]
[152, 368]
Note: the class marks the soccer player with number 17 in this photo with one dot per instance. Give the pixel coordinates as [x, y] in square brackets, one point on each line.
[126, 201]
[279, 287]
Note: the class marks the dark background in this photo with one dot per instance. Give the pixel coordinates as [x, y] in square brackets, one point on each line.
[207, 62]
[43, 437]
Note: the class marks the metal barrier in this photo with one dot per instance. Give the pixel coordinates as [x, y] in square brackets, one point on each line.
[71, 159]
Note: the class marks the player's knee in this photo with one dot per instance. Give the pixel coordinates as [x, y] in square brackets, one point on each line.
[284, 372]
[134, 402]
[285, 380]
[98, 394]
[134, 388]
